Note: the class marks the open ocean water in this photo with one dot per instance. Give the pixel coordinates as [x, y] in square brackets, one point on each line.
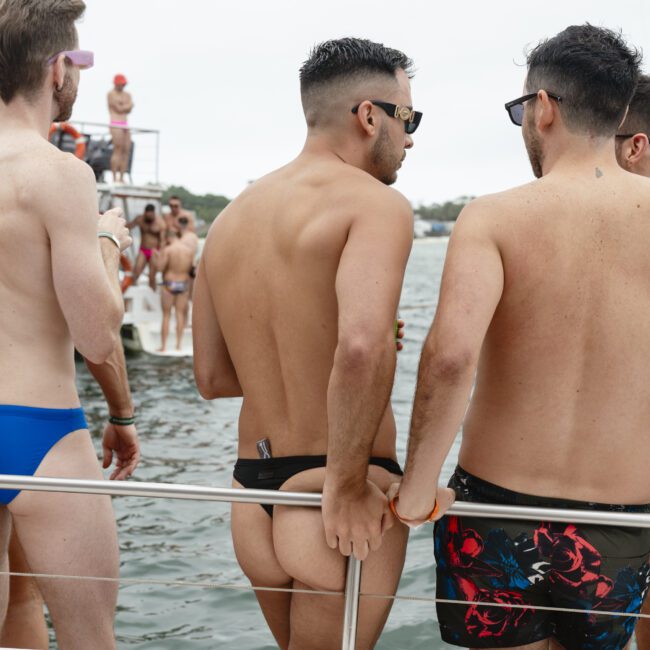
[188, 440]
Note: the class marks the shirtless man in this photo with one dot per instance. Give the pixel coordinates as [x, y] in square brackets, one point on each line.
[175, 261]
[633, 154]
[177, 212]
[294, 309]
[25, 625]
[152, 229]
[546, 295]
[120, 104]
[50, 308]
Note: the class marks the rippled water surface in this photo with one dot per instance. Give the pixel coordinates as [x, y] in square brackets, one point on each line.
[188, 440]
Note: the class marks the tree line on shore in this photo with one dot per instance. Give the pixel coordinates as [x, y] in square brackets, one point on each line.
[208, 206]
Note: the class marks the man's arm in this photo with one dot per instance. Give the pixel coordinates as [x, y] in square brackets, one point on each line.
[368, 285]
[120, 439]
[137, 222]
[472, 285]
[84, 267]
[213, 368]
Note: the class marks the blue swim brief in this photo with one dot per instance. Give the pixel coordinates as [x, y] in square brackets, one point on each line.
[26, 436]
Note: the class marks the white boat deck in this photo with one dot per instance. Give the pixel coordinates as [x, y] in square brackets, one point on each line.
[141, 327]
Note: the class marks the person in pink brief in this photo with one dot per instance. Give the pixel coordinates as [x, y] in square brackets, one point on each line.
[152, 232]
[120, 104]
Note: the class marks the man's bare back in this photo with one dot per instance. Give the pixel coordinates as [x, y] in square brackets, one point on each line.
[279, 246]
[37, 360]
[563, 379]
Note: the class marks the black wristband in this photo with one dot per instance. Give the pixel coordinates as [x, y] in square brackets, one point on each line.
[124, 422]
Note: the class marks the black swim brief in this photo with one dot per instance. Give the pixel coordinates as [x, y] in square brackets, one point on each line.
[271, 473]
[537, 564]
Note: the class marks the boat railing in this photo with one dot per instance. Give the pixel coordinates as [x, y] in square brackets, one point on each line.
[352, 591]
[148, 157]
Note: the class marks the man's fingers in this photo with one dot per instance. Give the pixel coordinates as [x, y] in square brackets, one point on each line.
[345, 547]
[376, 540]
[446, 498]
[108, 457]
[361, 550]
[331, 539]
[387, 522]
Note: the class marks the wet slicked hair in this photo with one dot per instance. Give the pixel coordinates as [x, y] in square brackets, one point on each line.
[638, 115]
[31, 31]
[593, 70]
[349, 59]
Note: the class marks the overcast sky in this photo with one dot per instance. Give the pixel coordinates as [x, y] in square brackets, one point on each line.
[219, 79]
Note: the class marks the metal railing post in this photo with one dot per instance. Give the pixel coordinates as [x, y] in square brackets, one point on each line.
[350, 614]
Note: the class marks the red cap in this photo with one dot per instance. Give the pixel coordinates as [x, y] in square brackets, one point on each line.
[119, 80]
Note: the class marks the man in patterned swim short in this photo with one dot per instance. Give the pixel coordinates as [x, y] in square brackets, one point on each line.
[544, 301]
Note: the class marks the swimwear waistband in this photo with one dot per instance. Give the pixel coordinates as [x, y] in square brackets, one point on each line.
[283, 462]
[472, 488]
[34, 412]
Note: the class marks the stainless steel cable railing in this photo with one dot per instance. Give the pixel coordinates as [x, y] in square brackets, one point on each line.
[353, 577]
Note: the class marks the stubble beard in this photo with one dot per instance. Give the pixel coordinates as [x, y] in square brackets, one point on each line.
[383, 160]
[65, 99]
[534, 149]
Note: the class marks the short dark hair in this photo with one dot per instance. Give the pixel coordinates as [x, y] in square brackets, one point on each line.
[593, 70]
[347, 59]
[150, 207]
[638, 115]
[173, 197]
[351, 56]
[31, 31]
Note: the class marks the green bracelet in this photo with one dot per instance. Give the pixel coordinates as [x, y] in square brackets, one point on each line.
[123, 422]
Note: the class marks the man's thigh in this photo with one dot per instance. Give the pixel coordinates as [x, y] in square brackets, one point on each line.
[252, 533]
[71, 534]
[166, 301]
[181, 303]
[117, 137]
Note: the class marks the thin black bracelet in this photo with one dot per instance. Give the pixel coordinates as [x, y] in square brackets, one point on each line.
[121, 421]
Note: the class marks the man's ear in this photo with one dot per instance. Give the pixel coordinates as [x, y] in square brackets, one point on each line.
[364, 115]
[58, 71]
[638, 147]
[545, 110]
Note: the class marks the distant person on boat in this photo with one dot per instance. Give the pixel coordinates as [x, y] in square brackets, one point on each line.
[176, 212]
[175, 261]
[633, 154]
[60, 290]
[152, 235]
[120, 105]
[294, 309]
[543, 308]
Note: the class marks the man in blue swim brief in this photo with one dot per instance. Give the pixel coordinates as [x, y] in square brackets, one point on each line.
[59, 290]
[543, 309]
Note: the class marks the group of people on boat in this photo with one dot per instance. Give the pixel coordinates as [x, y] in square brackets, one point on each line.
[539, 327]
[169, 245]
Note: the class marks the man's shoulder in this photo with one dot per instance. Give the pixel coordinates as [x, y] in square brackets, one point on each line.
[61, 176]
[503, 203]
[362, 192]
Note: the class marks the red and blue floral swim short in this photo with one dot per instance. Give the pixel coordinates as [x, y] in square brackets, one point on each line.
[525, 565]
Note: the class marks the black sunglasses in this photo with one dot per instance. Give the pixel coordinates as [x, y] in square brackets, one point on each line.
[515, 108]
[410, 117]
